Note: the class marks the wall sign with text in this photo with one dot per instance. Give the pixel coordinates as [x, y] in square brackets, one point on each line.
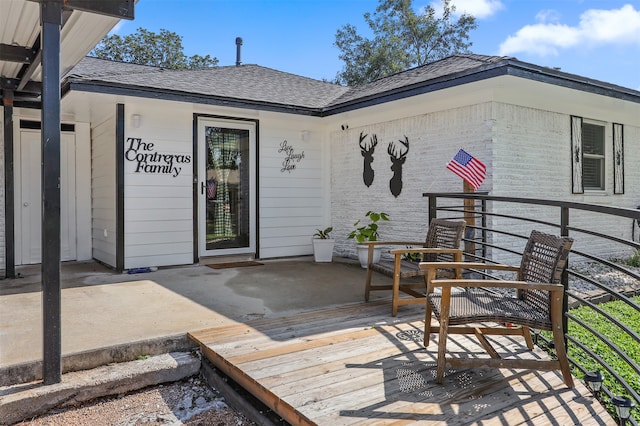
[148, 160]
[290, 158]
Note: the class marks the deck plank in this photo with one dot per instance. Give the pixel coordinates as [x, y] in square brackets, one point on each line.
[357, 365]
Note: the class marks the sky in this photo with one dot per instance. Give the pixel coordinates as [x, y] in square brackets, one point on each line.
[597, 39]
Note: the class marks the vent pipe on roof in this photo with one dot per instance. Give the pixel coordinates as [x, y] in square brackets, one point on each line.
[238, 48]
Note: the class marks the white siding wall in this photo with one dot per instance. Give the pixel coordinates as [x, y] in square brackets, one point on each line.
[434, 138]
[103, 191]
[293, 203]
[84, 227]
[159, 207]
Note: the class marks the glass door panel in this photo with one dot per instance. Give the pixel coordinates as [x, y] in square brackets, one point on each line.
[226, 196]
[227, 215]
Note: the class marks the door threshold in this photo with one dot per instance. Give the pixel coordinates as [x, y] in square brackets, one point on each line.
[211, 260]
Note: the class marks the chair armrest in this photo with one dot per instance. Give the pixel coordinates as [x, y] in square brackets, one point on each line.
[393, 243]
[520, 285]
[467, 265]
[425, 250]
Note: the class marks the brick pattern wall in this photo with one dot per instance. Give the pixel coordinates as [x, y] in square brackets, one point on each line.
[527, 153]
[434, 138]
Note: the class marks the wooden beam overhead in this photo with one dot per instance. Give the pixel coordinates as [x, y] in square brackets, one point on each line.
[19, 54]
[34, 87]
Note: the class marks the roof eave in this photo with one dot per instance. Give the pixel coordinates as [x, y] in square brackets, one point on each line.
[506, 67]
[108, 88]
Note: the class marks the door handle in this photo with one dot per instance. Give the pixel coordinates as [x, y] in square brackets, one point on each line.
[202, 187]
[26, 204]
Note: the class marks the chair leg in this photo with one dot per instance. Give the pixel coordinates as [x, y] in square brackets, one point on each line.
[396, 285]
[442, 337]
[367, 284]
[558, 338]
[561, 353]
[526, 333]
[429, 276]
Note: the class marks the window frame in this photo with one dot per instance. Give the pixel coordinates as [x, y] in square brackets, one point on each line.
[600, 158]
[578, 156]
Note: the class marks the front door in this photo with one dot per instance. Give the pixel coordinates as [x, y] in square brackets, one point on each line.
[28, 213]
[226, 193]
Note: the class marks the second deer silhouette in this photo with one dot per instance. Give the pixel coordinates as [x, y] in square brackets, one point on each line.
[367, 152]
[398, 154]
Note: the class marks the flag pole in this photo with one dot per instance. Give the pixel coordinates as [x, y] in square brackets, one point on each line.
[470, 219]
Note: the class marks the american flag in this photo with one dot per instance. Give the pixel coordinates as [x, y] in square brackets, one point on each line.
[468, 168]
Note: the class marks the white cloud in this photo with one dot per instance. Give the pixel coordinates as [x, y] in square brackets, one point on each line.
[478, 8]
[548, 15]
[596, 27]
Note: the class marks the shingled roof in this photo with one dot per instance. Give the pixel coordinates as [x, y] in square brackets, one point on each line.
[449, 67]
[251, 83]
[254, 86]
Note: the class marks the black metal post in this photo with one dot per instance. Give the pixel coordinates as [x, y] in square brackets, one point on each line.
[120, 149]
[51, 16]
[564, 231]
[9, 207]
[484, 228]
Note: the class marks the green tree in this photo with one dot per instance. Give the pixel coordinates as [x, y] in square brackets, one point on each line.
[148, 48]
[401, 40]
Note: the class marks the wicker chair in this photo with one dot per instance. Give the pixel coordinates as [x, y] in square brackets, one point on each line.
[442, 245]
[537, 304]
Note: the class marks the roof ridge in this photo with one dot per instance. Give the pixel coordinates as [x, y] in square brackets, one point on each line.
[144, 69]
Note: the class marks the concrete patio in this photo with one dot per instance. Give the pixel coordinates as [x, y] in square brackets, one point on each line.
[103, 309]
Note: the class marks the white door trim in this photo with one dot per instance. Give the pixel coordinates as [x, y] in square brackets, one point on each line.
[202, 199]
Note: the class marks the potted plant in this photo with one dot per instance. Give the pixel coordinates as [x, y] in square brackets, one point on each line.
[323, 245]
[368, 232]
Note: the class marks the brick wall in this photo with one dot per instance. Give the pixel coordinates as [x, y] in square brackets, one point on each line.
[527, 153]
[434, 138]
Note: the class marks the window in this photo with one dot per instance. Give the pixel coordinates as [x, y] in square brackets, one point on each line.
[592, 156]
[587, 155]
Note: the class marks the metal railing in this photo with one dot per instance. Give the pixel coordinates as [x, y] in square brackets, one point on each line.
[604, 236]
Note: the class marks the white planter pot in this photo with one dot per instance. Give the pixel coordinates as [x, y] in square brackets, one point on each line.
[363, 254]
[323, 249]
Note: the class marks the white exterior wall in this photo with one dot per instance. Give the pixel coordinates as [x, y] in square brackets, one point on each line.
[103, 194]
[83, 192]
[519, 128]
[159, 226]
[82, 212]
[158, 208]
[293, 203]
[532, 157]
[434, 138]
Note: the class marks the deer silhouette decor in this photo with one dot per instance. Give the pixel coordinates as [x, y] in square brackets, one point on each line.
[398, 154]
[367, 152]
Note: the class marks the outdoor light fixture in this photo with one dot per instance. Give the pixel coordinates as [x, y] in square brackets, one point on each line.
[135, 120]
[623, 407]
[593, 380]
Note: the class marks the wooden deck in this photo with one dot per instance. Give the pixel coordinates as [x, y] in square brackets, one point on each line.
[358, 365]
